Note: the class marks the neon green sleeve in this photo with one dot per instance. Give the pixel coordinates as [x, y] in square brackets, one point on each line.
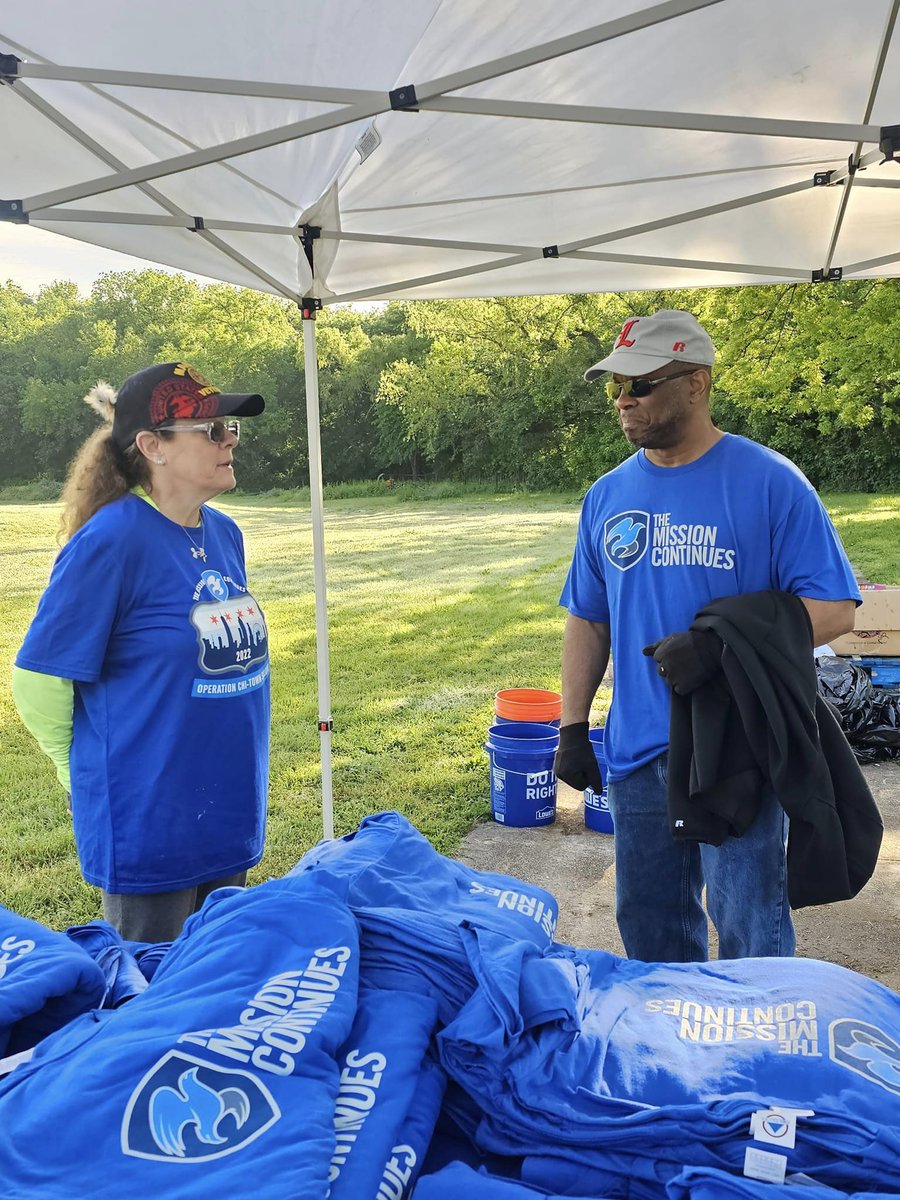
[45, 704]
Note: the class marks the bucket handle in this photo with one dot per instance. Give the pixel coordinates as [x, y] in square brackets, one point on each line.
[510, 771]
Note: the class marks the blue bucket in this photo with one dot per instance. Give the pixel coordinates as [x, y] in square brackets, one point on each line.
[498, 720]
[596, 806]
[523, 786]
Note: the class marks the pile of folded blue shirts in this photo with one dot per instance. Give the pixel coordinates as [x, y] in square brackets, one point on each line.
[413, 906]
[384, 1021]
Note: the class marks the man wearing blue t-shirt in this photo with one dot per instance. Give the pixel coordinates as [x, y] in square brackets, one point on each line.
[693, 516]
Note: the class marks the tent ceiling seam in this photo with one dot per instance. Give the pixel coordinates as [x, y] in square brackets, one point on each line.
[151, 122]
[559, 47]
[583, 243]
[587, 187]
[52, 114]
[204, 157]
[40, 104]
[691, 215]
[248, 265]
[407, 96]
[853, 161]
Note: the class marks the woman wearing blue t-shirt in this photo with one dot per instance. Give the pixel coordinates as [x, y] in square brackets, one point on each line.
[145, 672]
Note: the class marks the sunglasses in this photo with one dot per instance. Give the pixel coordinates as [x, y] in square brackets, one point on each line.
[216, 431]
[639, 387]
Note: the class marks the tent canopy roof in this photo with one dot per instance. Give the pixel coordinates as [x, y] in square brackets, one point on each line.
[583, 146]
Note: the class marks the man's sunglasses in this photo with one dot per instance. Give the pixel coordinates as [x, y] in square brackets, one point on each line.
[216, 431]
[640, 387]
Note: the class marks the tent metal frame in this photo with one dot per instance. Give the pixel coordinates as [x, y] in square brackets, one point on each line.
[344, 106]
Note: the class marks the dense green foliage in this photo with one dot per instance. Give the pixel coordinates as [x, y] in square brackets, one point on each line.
[467, 389]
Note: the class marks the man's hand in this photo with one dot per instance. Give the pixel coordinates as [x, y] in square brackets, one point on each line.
[576, 762]
[687, 660]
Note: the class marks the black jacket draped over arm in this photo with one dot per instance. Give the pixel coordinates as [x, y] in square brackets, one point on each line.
[762, 721]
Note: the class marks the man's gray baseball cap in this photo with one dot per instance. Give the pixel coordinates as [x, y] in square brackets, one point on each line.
[647, 343]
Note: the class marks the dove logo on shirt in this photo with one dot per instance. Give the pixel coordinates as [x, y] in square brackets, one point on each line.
[867, 1050]
[625, 538]
[215, 585]
[185, 1110]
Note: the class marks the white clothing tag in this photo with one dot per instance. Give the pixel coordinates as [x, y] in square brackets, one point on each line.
[761, 1164]
[778, 1125]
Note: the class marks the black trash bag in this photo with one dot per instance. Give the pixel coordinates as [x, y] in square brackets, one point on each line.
[870, 716]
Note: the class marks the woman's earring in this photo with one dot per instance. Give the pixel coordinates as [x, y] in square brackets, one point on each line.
[159, 460]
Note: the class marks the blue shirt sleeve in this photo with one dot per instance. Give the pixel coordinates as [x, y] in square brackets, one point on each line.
[584, 592]
[77, 612]
[808, 558]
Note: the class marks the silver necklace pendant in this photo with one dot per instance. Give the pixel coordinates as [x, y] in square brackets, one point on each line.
[197, 551]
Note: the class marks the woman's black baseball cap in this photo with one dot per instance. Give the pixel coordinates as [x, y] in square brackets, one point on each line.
[173, 392]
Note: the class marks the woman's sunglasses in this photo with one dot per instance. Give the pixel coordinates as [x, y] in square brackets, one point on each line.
[216, 431]
[639, 387]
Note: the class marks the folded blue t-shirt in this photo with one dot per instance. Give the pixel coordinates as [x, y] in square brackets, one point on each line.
[45, 981]
[219, 1080]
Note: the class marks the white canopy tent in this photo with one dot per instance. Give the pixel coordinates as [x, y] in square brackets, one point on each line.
[368, 149]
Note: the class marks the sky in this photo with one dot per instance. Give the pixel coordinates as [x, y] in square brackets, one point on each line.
[32, 258]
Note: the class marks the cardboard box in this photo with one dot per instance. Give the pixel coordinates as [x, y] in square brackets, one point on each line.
[876, 630]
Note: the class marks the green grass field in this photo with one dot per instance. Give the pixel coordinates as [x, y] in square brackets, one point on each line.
[434, 605]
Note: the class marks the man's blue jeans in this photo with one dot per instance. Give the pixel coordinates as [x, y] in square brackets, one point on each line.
[659, 880]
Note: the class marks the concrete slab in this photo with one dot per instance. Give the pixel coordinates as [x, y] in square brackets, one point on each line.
[578, 866]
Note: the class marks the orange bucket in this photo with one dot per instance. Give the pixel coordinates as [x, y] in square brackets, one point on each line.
[529, 704]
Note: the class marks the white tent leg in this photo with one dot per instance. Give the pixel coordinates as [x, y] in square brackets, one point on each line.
[317, 509]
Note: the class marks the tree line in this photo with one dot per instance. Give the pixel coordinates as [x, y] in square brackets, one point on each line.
[468, 390]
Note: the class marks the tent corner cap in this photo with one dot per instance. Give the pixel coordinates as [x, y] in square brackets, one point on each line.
[9, 68]
[404, 99]
[889, 142]
[13, 210]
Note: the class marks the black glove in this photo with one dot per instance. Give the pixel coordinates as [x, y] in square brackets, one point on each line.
[576, 762]
[687, 660]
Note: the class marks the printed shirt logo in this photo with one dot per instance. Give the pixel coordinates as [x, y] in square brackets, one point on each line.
[775, 1125]
[12, 948]
[184, 1110]
[625, 538]
[867, 1050]
[687, 544]
[231, 630]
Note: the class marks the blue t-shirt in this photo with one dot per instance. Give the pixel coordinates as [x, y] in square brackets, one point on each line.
[45, 981]
[656, 544]
[170, 660]
[218, 1081]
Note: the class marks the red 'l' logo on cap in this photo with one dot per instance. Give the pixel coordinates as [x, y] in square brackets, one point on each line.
[679, 346]
[624, 339]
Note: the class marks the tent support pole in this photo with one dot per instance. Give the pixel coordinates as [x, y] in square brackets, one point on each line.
[317, 511]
